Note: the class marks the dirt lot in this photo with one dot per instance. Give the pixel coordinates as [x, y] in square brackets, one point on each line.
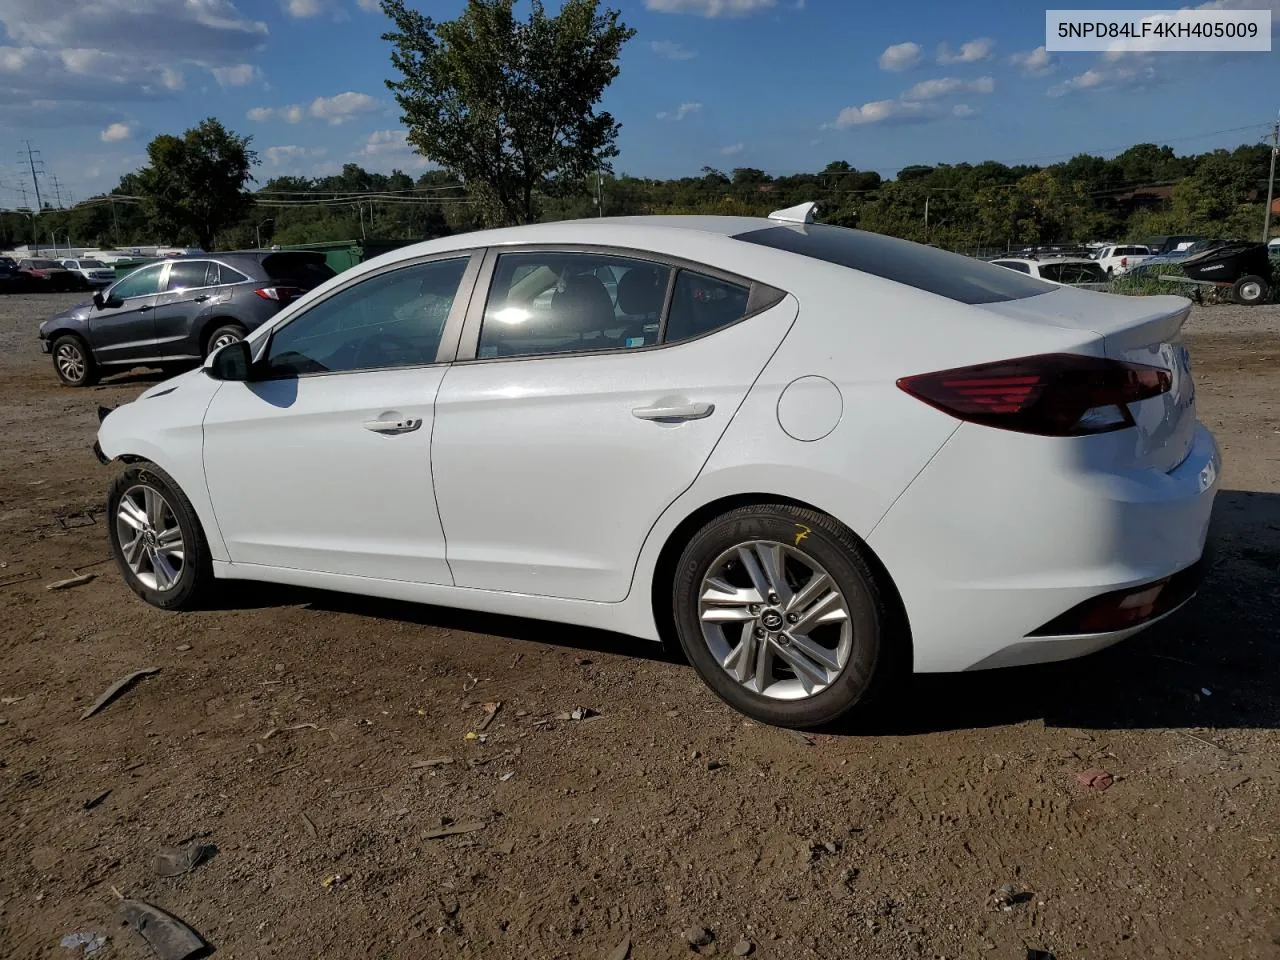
[284, 729]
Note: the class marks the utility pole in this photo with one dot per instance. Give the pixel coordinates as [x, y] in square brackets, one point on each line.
[1271, 183]
[57, 190]
[35, 181]
[115, 219]
[599, 194]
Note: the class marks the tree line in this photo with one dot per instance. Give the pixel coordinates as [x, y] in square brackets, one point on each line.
[507, 108]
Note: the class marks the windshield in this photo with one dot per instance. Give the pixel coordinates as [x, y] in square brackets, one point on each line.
[44, 265]
[91, 264]
[913, 264]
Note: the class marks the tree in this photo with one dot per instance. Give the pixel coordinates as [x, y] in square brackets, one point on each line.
[195, 184]
[509, 106]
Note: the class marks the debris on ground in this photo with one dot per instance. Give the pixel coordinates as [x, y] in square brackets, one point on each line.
[67, 584]
[697, 936]
[175, 861]
[472, 735]
[311, 827]
[506, 848]
[333, 880]
[490, 711]
[453, 831]
[507, 776]
[168, 936]
[1009, 896]
[435, 762]
[743, 948]
[1034, 954]
[578, 713]
[803, 738]
[622, 951]
[116, 689]
[10, 701]
[582, 661]
[94, 801]
[85, 944]
[183, 647]
[1095, 777]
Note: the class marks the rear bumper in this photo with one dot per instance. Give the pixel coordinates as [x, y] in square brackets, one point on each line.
[989, 547]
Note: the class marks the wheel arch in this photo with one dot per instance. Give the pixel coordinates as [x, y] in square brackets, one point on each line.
[664, 570]
[211, 323]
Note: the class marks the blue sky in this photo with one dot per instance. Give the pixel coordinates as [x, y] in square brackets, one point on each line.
[785, 85]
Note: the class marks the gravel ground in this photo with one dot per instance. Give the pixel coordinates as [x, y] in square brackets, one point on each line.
[292, 730]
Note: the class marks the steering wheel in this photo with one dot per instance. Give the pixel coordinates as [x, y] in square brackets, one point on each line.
[386, 350]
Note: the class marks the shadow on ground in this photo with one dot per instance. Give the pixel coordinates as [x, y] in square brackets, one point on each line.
[1226, 642]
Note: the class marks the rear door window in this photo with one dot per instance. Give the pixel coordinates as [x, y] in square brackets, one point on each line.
[701, 304]
[914, 265]
[187, 275]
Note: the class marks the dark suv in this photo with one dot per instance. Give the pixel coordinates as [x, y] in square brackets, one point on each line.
[177, 311]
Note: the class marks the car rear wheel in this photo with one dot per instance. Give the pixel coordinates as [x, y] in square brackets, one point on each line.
[1249, 290]
[156, 539]
[227, 333]
[73, 361]
[782, 614]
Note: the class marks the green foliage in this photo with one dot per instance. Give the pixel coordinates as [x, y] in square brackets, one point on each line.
[194, 185]
[509, 106]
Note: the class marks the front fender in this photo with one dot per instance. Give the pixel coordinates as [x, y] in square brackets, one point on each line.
[166, 426]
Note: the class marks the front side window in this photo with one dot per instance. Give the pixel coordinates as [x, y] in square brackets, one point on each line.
[1013, 265]
[140, 283]
[395, 319]
[551, 302]
[186, 274]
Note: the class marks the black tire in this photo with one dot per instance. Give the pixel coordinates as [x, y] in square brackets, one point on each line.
[194, 579]
[880, 652]
[1249, 290]
[225, 332]
[73, 361]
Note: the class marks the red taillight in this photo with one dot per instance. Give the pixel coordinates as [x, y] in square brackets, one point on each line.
[1054, 395]
[1124, 261]
[279, 292]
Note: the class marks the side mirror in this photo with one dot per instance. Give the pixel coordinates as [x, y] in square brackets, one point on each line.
[231, 362]
[98, 300]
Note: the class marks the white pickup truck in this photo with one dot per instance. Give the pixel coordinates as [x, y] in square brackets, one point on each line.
[1120, 259]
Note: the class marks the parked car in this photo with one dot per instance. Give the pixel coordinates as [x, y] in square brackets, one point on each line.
[95, 272]
[1181, 252]
[177, 311]
[1070, 271]
[1119, 260]
[50, 275]
[1168, 244]
[816, 456]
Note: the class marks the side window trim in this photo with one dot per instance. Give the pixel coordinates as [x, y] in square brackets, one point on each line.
[761, 297]
[448, 337]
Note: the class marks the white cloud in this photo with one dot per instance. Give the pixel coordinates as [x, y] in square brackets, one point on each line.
[236, 76]
[732, 150]
[962, 110]
[1035, 63]
[680, 112]
[1105, 77]
[116, 132]
[392, 147]
[971, 52]
[336, 109]
[670, 50]
[711, 8]
[172, 79]
[303, 8]
[342, 107]
[945, 86]
[900, 56]
[289, 152]
[369, 6]
[882, 111]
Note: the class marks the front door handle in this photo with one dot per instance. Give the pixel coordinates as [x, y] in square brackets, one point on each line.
[143, 309]
[201, 299]
[392, 426]
[675, 412]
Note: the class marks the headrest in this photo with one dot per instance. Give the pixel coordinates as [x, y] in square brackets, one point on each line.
[642, 290]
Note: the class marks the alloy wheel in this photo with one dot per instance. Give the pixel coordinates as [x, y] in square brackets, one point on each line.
[150, 537]
[775, 620]
[222, 341]
[70, 361]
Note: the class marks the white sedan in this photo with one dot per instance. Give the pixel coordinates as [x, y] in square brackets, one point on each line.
[818, 457]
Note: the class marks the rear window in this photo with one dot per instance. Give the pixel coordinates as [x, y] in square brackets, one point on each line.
[915, 265]
[1131, 251]
[306, 269]
[1073, 272]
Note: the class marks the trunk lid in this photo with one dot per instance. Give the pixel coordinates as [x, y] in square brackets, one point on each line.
[1138, 330]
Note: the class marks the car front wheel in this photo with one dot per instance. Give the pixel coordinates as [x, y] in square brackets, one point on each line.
[156, 538]
[73, 362]
[781, 612]
[227, 333]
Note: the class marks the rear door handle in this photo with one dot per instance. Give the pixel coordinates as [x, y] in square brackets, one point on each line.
[675, 412]
[392, 426]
